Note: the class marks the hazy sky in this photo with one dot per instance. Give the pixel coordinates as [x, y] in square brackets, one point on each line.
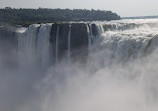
[122, 7]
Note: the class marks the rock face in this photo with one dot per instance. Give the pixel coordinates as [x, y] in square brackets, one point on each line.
[78, 40]
[59, 39]
[94, 29]
[79, 36]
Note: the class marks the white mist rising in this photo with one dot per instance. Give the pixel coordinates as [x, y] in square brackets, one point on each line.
[120, 75]
[129, 87]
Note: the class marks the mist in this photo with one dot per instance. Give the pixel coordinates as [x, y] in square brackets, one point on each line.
[132, 86]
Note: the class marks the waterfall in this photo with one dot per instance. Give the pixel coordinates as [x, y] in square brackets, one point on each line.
[111, 70]
[31, 42]
[27, 43]
[34, 41]
[125, 43]
[69, 44]
[43, 44]
[90, 35]
[57, 45]
[100, 29]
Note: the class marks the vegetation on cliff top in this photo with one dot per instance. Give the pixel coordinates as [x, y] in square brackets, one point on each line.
[43, 15]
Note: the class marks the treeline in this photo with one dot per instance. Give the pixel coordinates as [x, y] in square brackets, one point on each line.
[43, 15]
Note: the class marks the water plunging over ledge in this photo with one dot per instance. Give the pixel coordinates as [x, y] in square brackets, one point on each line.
[82, 66]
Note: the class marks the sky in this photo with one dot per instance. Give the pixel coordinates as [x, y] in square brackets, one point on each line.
[124, 8]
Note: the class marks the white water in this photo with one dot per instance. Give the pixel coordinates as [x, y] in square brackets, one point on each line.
[57, 45]
[89, 31]
[43, 45]
[27, 40]
[122, 74]
[131, 42]
[69, 44]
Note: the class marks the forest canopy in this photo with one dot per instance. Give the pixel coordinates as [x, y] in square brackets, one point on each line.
[23, 16]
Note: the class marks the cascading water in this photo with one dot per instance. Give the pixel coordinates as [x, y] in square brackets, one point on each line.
[121, 74]
[57, 45]
[127, 43]
[89, 31]
[100, 29]
[27, 43]
[69, 44]
[43, 45]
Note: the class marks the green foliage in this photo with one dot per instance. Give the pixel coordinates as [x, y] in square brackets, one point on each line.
[44, 15]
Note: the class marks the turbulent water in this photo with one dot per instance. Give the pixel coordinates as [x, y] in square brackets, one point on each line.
[115, 68]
